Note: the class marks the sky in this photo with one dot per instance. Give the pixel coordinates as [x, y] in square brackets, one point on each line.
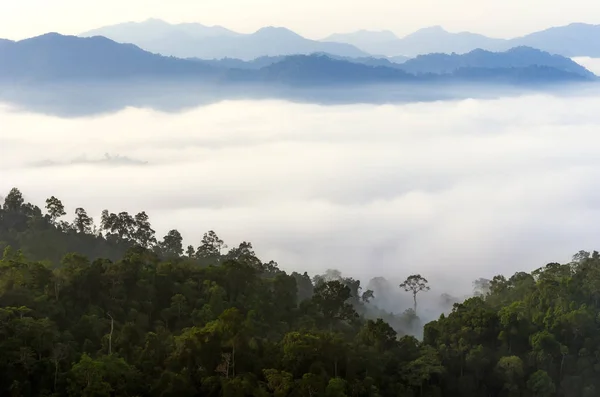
[312, 18]
[454, 190]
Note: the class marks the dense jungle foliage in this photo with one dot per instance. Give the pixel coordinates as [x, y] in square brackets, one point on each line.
[112, 311]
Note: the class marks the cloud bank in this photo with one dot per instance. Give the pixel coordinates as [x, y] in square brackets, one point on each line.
[454, 190]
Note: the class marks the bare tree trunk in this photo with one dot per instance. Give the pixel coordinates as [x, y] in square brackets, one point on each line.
[335, 367]
[55, 373]
[233, 360]
[112, 327]
[58, 354]
[415, 299]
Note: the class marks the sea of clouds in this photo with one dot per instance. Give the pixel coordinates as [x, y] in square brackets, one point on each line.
[454, 190]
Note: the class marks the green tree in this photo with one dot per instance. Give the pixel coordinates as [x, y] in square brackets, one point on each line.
[14, 201]
[190, 252]
[511, 372]
[336, 388]
[143, 233]
[280, 383]
[82, 223]
[331, 298]
[55, 209]
[172, 244]
[210, 247]
[540, 384]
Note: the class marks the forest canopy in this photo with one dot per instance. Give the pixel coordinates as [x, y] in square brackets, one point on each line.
[113, 310]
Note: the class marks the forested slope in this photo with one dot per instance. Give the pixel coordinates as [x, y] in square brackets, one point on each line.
[114, 312]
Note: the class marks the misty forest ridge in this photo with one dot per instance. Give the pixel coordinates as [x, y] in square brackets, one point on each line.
[130, 314]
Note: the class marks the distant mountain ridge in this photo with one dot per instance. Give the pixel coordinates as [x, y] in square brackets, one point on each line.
[194, 40]
[321, 69]
[261, 62]
[576, 39]
[154, 29]
[56, 58]
[518, 57]
[433, 39]
[6, 43]
[373, 42]
[573, 40]
[216, 42]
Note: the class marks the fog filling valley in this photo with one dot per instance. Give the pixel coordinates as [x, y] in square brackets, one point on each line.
[453, 190]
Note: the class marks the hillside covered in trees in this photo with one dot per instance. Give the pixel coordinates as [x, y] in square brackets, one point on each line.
[113, 311]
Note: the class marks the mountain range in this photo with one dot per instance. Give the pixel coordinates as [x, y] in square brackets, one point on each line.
[56, 58]
[193, 40]
[424, 41]
[518, 57]
[576, 39]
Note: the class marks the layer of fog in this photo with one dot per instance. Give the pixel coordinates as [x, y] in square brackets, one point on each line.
[453, 190]
[95, 99]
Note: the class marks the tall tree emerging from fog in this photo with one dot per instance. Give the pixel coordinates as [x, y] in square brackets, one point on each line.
[415, 284]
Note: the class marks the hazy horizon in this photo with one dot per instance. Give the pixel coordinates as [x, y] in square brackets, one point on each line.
[312, 19]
